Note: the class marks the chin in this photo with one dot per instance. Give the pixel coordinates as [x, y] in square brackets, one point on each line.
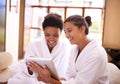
[72, 43]
[51, 46]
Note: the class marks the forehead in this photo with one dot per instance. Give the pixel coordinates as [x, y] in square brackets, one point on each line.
[67, 24]
[51, 29]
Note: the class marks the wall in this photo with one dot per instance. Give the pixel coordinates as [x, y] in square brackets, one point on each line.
[12, 33]
[111, 34]
[12, 29]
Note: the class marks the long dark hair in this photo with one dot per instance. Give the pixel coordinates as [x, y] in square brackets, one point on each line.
[88, 20]
[78, 21]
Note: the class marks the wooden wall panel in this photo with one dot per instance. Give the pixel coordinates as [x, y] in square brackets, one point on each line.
[111, 32]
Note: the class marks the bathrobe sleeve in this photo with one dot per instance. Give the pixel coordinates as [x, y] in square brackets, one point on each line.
[30, 50]
[29, 53]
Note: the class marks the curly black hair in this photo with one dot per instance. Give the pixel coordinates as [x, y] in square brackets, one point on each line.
[53, 20]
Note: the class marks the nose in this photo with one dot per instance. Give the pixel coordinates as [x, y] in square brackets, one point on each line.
[67, 35]
[52, 38]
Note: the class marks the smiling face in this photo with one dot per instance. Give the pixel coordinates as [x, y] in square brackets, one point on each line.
[73, 33]
[51, 36]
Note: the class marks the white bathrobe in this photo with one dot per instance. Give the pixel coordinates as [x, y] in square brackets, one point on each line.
[38, 48]
[90, 66]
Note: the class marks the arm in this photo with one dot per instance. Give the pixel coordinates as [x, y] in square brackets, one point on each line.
[29, 53]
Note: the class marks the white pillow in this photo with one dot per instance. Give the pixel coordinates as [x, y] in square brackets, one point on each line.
[114, 73]
[5, 60]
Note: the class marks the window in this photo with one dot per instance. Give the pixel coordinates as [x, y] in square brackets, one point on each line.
[2, 24]
[36, 10]
[95, 31]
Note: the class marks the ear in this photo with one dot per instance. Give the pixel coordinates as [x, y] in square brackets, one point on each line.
[82, 29]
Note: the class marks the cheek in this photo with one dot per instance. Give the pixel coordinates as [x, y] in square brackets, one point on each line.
[46, 38]
[56, 39]
[76, 36]
[73, 35]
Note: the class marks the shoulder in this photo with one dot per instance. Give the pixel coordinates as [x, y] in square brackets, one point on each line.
[36, 42]
[95, 46]
[96, 50]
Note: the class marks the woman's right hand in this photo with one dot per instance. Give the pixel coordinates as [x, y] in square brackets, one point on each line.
[29, 71]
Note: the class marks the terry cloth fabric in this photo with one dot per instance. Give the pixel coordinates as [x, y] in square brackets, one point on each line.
[38, 49]
[90, 66]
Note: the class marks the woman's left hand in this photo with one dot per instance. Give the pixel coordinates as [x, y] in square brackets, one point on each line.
[43, 72]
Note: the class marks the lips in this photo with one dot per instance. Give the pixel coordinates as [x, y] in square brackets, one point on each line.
[70, 39]
[51, 43]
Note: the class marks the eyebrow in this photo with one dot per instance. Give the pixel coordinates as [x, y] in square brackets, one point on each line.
[53, 34]
[68, 28]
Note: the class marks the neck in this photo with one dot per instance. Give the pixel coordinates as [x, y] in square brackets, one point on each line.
[50, 49]
[83, 43]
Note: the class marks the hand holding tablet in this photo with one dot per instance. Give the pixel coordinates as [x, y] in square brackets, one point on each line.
[46, 61]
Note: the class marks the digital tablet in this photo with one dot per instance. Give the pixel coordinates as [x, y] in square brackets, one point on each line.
[46, 61]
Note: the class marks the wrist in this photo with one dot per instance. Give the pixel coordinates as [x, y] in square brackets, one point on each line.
[53, 81]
